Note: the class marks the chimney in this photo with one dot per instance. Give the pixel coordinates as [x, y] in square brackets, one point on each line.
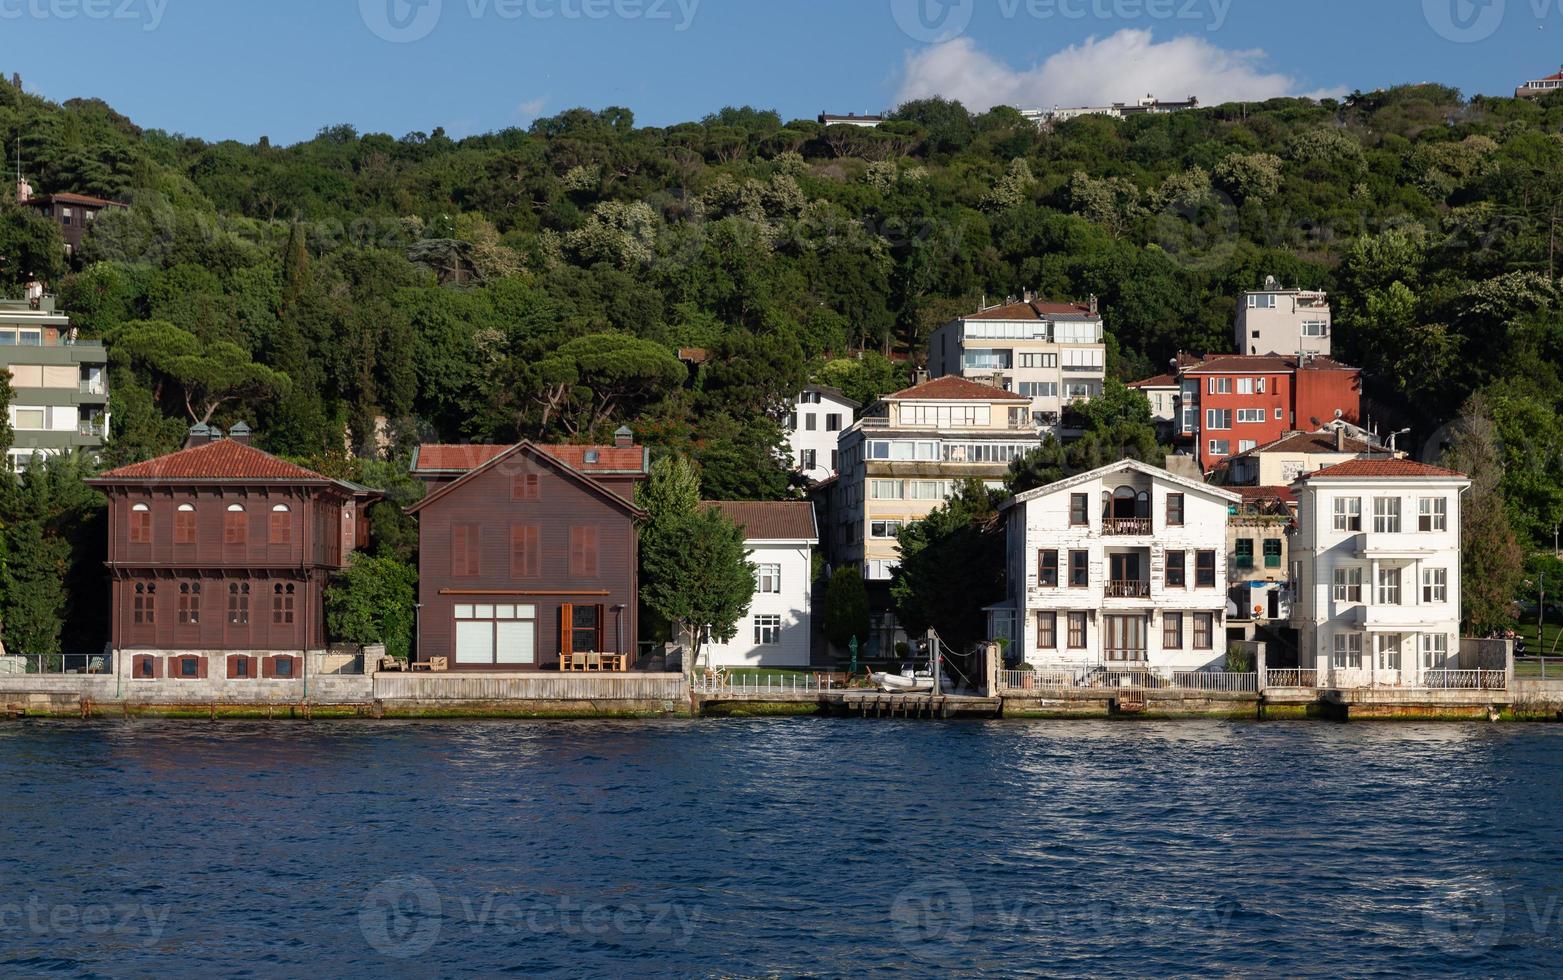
[1340, 438]
[24, 190]
[1094, 305]
[199, 435]
[240, 433]
[624, 438]
[919, 377]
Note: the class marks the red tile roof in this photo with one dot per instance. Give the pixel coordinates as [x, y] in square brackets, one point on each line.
[1357, 469]
[956, 389]
[221, 460]
[770, 521]
[464, 459]
[1034, 310]
[1284, 494]
[1260, 364]
[1313, 443]
[82, 199]
[1160, 381]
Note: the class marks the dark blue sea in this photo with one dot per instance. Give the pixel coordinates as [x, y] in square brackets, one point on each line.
[779, 848]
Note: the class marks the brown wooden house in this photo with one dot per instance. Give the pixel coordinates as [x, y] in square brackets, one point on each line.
[222, 547]
[529, 556]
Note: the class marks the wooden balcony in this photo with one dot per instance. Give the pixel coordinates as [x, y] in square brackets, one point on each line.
[1124, 527]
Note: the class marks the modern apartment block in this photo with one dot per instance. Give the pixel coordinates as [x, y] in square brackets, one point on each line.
[814, 428]
[61, 383]
[1121, 568]
[1376, 563]
[1052, 353]
[1275, 320]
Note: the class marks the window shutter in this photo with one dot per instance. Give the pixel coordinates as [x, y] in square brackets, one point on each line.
[602, 626]
[566, 629]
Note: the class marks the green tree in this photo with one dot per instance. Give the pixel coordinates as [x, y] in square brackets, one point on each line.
[30, 246]
[371, 602]
[952, 567]
[846, 609]
[1491, 564]
[6, 394]
[200, 378]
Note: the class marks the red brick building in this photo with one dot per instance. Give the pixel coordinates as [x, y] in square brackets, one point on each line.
[1231, 403]
[529, 555]
[222, 547]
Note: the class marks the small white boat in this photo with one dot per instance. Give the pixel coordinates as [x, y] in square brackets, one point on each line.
[901, 684]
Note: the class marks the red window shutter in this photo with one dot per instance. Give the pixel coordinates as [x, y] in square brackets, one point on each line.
[566, 629]
[583, 552]
[591, 554]
[281, 527]
[464, 550]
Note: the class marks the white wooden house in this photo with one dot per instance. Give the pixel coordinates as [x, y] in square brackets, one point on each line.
[1123, 567]
[778, 628]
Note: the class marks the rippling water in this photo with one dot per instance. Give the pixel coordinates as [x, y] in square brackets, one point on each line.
[780, 847]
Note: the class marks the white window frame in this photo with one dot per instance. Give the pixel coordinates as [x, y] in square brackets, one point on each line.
[1386, 515]
[1436, 511]
[1435, 585]
[767, 630]
[1347, 654]
[1347, 587]
[1348, 514]
[768, 578]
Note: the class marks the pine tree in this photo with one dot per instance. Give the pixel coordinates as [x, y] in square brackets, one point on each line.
[1492, 561]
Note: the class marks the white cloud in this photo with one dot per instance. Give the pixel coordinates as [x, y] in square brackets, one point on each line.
[532, 108]
[1122, 67]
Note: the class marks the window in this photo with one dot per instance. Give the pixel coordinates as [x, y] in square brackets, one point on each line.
[1389, 586]
[184, 524]
[1435, 585]
[1315, 328]
[1204, 631]
[1220, 386]
[144, 606]
[1218, 418]
[1039, 360]
[281, 531]
[189, 667]
[1177, 570]
[141, 524]
[1244, 445]
[526, 486]
[1079, 510]
[1245, 552]
[1220, 447]
[1248, 415]
[1079, 569]
[282, 604]
[809, 459]
[241, 667]
[1205, 570]
[1433, 514]
[833, 422]
[1077, 631]
[810, 422]
[1348, 585]
[1039, 389]
[190, 604]
[767, 631]
[1348, 651]
[583, 626]
[1435, 650]
[488, 636]
[583, 551]
[236, 526]
[1172, 631]
[885, 490]
[465, 551]
[1174, 510]
[282, 668]
[1273, 553]
[767, 579]
[1279, 414]
[1261, 301]
[1047, 631]
[1047, 570]
[1388, 651]
[884, 530]
[1348, 513]
[1386, 515]
[1245, 386]
[238, 605]
[65, 216]
[526, 553]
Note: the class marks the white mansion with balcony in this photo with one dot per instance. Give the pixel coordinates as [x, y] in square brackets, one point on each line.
[1122, 568]
[1376, 567]
[1052, 353]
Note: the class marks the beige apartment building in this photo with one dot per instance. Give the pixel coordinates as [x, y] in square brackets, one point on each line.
[1275, 320]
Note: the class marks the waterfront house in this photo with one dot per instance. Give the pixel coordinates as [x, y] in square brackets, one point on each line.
[814, 426]
[219, 555]
[1052, 353]
[61, 399]
[777, 630]
[1120, 568]
[1376, 561]
[529, 556]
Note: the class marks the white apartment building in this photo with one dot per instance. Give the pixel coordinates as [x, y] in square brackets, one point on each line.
[1376, 566]
[778, 628]
[1121, 568]
[1275, 320]
[814, 428]
[1052, 353]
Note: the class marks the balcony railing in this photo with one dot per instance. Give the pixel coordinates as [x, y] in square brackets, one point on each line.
[92, 388]
[92, 430]
[1306, 679]
[1129, 590]
[1126, 526]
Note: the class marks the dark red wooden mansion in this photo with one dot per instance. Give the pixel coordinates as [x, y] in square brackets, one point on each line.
[224, 548]
[529, 556]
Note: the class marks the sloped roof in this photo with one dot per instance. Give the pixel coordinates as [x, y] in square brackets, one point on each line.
[1196, 486]
[1159, 381]
[1387, 469]
[771, 521]
[957, 389]
[1251, 494]
[835, 394]
[1313, 444]
[1260, 364]
[67, 198]
[433, 459]
[1035, 310]
[524, 448]
[221, 460]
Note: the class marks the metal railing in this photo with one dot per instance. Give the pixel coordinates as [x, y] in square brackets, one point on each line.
[1129, 590]
[1538, 668]
[720, 682]
[1128, 679]
[96, 430]
[16, 665]
[1126, 526]
[1288, 677]
[1465, 680]
[91, 387]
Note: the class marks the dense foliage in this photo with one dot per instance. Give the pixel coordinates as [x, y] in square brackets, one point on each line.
[371, 601]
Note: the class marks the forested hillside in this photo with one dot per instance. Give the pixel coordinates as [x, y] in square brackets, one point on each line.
[537, 283]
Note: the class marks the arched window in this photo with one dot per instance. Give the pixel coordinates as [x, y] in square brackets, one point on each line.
[238, 605]
[282, 605]
[236, 526]
[1124, 502]
[190, 604]
[281, 525]
[184, 524]
[141, 524]
[144, 608]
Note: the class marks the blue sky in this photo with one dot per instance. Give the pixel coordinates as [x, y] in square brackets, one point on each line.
[284, 68]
